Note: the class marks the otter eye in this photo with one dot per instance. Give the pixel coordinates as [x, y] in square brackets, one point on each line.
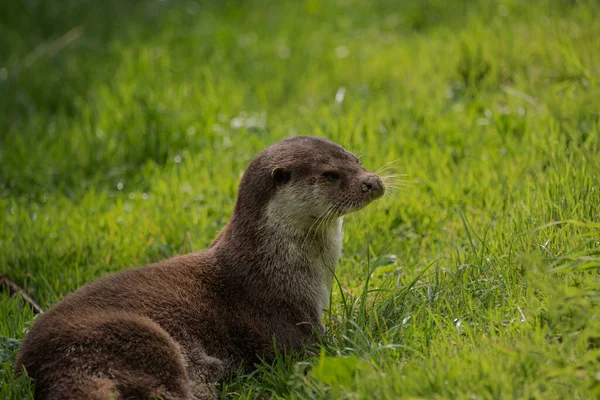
[332, 176]
[280, 175]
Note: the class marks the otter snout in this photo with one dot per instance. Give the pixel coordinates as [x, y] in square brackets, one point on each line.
[373, 185]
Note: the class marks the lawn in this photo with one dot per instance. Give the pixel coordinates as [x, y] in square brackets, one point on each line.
[125, 127]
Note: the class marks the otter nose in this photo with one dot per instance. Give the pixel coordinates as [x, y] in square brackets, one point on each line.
[373, 184]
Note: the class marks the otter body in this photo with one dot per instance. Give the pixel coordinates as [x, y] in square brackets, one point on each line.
[173, 329]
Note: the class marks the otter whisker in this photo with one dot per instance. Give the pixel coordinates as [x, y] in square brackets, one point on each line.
[402, 181]
[395, 189]
[331, 215]
[326, 219]
[387, 170]
[320, 221]
[391, 193]
[395, 178]
[383, 172]
[354, 221]
[378, 170]
[315, 224]
[391, 182]
[392, 176]
[400, 177]
[397, 185]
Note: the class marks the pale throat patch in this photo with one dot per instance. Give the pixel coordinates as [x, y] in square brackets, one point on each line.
[331, 257]
[320, 250]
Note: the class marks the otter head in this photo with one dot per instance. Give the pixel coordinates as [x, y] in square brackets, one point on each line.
[301, 180]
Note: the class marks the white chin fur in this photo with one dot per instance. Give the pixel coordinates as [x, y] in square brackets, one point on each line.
[302, 238]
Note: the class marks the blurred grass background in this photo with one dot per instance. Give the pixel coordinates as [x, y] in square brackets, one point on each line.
[125, 126]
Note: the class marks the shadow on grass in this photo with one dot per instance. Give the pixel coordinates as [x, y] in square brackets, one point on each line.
[51, 56]
[50, 52]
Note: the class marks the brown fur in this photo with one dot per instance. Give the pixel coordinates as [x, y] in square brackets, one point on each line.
[175, 328]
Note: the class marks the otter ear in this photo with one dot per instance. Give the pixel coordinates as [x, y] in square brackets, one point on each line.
[280, 175]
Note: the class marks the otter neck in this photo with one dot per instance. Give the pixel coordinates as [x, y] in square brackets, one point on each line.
[281, 262]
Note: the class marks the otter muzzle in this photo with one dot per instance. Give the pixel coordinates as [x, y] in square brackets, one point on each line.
[374, 186]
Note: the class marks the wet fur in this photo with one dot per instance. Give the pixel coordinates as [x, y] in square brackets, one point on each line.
[174, 329]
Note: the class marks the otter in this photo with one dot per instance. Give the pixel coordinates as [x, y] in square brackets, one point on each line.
[173, 329]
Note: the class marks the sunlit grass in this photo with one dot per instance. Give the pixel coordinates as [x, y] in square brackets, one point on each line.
[123, 137]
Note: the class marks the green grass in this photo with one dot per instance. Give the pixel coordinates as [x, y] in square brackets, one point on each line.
[124, 128]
